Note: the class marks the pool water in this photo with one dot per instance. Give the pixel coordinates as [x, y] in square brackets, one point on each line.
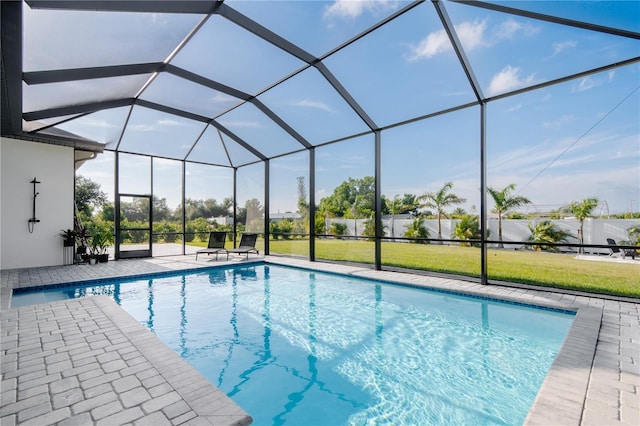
[298, 347]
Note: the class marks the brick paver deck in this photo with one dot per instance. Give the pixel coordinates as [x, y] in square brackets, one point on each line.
[86, 361]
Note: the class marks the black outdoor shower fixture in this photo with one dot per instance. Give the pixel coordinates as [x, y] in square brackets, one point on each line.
[32, 222]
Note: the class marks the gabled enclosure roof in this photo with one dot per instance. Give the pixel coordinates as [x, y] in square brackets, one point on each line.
[235, 82]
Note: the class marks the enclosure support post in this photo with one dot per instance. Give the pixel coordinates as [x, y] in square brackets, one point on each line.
[183, 195]
[312, 204]
[267, 166]
[378, 202]
[483, 194]
[116, 205]
[235, 205]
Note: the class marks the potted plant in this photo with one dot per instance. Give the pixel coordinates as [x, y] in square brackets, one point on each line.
[68, 237]
[101, 239]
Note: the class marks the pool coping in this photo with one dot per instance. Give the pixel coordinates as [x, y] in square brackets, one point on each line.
[562, 396]
[88, 361]
[207, 401]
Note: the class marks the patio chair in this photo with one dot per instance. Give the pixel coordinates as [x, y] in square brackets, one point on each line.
[615, 251]
[247, 245]
[217, 240]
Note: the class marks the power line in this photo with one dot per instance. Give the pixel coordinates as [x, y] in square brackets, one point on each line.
[579, 138]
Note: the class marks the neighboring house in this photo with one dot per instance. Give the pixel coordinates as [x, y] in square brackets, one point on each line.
[221, 220]
[277, 217]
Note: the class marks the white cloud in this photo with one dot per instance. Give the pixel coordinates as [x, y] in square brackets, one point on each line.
[508, 79]
[351, 9]
[352, 162]
[567, 155]
[93, 122]
[169, 122]
[509, 28]
[608, 185]
[158, 18]
[237, 124]
[471, 35]
[559, 47]
[559, 122]
[436, 42]
[584, 84]
[514, 108]
[223, 98]
[307, 103]
[140, 127]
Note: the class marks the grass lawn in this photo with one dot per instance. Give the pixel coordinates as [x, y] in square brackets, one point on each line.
[546, 269]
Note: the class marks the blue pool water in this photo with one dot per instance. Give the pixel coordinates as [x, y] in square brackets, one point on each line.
[297, 347]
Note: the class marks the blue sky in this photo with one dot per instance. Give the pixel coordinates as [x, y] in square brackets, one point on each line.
[577, 139]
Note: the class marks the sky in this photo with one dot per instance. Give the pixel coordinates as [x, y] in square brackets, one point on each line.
[557, 144]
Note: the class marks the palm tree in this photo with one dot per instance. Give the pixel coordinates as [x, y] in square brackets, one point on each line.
[547, 232]
[458, 213]
[439, 200]
[582, 210]
[468, 229]
[634, 234]
[399, 205]
[416, 230]
[504, 201]
[394, 206]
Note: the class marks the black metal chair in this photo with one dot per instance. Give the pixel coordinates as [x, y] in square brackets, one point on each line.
[247, 245]
[615, 251]
[217, 240]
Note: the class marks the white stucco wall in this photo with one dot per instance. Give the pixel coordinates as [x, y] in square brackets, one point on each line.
[52, 165]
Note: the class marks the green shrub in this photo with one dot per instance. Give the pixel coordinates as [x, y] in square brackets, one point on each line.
[338, 229]
[468, 229]
[547, 232]
[416, 230]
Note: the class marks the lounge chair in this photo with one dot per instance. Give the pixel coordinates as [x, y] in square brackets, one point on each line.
[216, 244]
[247, 245]
[615, 251]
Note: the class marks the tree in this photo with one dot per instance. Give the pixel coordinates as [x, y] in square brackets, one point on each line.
[504, 202]
[439, 200]
[582, 210]
[338, 229]
[136, 210]
[634, 234]
[468, 229]
[459, 212]
[160, 209]
[254, 215]
[417, 230]
[400, 205]
[358, 194]
[108, 212]
[352, 199]
[370, 228]
[547, 232]
[88, 196]
[303, 205]
[204, 208]
[192, 209]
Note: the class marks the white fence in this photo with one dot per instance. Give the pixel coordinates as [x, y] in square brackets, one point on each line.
[596, 231]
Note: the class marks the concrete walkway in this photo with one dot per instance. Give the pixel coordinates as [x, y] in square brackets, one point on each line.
[86, 361]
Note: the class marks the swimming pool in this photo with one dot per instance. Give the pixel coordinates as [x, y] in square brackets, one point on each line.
[293, 346]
